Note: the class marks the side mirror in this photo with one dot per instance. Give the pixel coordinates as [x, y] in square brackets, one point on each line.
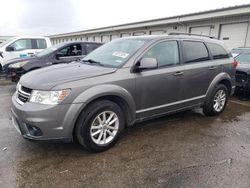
[146, 63]
[10, 49]
[58, 56]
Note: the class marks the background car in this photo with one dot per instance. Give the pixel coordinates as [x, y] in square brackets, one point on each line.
[237, 51]
[243, 72]
[61, 53]
[19, 47]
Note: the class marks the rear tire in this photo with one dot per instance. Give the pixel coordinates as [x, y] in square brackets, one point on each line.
[216, 103]
[100, 126]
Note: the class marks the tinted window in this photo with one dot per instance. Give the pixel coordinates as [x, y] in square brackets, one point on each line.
[195, 51]
[41, 43]
[72, 50]
[91, 47]
[22, 44]
[166, 53]
[217, 51]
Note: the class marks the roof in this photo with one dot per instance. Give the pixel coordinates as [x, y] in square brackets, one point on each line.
[174, 36]
[216, 13]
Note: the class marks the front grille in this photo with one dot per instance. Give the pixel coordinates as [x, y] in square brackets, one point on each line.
[23, 94]
[242, 77]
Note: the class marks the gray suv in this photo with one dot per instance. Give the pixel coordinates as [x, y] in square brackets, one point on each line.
[125, 81]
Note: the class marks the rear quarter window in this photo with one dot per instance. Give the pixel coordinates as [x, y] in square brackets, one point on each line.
[195, 51]
[217, 51]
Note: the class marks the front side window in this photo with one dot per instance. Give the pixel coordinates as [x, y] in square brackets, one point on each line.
[22, 44]
[72, 50]
[217, 51]
[195, 51]
[115, 53]
[166, 53]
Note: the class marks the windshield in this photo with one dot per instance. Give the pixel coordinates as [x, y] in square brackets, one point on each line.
[115, 53]
[243, 58]
[6, 42]
[49, 50]
[239, 50]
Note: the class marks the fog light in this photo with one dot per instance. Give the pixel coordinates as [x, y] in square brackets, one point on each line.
[34, 131]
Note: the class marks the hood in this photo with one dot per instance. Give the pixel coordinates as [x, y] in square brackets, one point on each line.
[245, 67]
[48, 77]
[17, 60]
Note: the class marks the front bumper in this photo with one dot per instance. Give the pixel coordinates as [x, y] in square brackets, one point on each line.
[243, 86]
[53, 121]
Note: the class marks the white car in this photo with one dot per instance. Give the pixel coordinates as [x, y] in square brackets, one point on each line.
[20, 47]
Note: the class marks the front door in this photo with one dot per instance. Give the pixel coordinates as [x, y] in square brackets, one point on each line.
[157, 90]
[70, 53]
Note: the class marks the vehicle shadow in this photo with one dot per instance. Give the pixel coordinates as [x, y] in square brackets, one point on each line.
[242, 95]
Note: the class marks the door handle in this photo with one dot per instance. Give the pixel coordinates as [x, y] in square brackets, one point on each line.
[212, 67]
[178, 73]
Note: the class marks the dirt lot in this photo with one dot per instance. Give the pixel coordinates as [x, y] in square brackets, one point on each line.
[181, 150]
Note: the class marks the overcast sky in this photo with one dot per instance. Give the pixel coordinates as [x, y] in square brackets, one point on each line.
[46, 17]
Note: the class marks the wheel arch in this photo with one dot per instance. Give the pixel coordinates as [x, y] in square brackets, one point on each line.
[112, 93]
[222, 78]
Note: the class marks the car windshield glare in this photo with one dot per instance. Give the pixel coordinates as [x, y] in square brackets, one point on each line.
[243, 58]
[49, 50]
[115, 53]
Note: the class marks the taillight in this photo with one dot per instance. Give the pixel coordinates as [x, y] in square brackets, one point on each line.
[235, 64]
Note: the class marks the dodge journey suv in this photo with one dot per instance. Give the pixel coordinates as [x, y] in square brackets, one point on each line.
[120, 83]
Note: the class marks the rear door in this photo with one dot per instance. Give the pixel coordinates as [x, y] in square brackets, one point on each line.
[199, 71]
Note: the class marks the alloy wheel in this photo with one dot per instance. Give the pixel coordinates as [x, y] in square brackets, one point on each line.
[104, 128]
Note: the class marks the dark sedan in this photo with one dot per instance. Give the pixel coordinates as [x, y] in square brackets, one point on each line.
[243, 72]
[60, 53]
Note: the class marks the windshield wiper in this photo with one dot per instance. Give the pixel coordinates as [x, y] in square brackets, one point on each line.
[91, 61]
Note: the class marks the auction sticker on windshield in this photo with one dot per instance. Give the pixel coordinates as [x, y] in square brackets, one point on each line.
[120, 54]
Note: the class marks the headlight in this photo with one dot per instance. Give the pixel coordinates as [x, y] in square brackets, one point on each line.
[18, 65]
[49, 97]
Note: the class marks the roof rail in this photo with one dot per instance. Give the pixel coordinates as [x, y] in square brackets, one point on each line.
[190, 34]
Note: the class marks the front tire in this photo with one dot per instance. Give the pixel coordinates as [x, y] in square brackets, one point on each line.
[100, 126]
[217, 101]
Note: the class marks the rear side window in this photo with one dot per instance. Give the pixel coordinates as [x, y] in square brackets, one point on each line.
[195, 51]
[217, 51]
[40, 43]
[166, 53]
[91, 47]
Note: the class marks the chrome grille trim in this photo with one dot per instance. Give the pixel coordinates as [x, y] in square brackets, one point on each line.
[22, 96]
